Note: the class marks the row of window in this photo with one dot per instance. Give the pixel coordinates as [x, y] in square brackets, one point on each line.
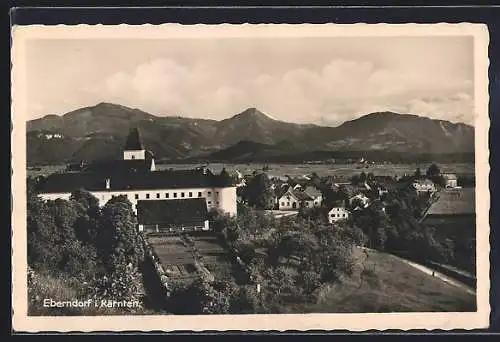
[288, 204]
[182, 195]
[338, 215]
[174, 195]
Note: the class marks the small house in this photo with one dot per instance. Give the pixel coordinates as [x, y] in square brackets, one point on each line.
[288, 200]
[315, 194]
[338, 212]
[450, 180]
[423, 187]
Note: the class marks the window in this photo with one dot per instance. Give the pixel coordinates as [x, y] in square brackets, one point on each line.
[190, 194]
[217, 202]
[288, 204]
[199, 194]
[133, 157]
[175, 194]
[209, 202]
[167, 195]
[332, 215]
[217, 193]
[158, 195]
[136, 196]
[209, 193]
[147, 195]
[282, 204]
[182, 194]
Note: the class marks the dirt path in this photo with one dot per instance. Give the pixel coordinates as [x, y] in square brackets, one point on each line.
[432, 272]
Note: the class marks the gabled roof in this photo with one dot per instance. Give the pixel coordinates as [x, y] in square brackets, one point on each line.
[449, 176]
[133, 141]
[165, 179]
[312, 191]
[350, 190]
[280, 191]
[336, 204]
[175, 212]
[302, 196]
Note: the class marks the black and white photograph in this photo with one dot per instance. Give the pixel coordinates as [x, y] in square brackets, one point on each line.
[294, 174]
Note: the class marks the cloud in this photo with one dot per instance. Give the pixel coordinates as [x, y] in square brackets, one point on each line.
[337, 91]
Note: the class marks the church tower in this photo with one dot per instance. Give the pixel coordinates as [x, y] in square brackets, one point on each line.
[133, 146]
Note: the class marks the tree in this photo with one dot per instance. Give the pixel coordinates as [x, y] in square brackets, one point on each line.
[418, 173]
[433, 171]
[52, 241]
[259, 192]
[308, 281]
[88, 215]
[246, 301]
[124, 283]
[362, 177]
[118, 239]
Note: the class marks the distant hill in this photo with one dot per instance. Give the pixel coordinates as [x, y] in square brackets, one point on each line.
[99, 132]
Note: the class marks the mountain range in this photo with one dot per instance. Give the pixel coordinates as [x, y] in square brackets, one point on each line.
[99, 132]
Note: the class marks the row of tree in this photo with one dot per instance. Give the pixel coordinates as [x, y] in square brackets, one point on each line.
[77, 240]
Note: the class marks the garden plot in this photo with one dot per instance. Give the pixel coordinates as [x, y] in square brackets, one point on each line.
[215, 257]
[176, 259]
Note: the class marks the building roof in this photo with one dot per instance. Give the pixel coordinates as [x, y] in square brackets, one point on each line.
[133, 141]
[336, 204]
[350, 191]
[165, 179]
[312, 191]
[449, 176]
[280, 191]
[454, 202]
[175, 212]
[302, 195]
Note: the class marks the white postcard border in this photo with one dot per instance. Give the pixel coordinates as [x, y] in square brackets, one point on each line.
[300, 322]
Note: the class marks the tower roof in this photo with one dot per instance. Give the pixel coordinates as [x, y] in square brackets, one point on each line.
[133, 140]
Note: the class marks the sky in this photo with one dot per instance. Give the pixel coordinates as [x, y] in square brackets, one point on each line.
[319, 80]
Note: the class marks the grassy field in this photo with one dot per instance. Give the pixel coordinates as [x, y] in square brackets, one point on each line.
[340, 170]
[388, 285]
[280, 170]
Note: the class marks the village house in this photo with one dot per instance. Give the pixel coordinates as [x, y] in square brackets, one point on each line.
[363, 201]
[137, 178]
[453, 209]
[291, 199]
[423, 187]
[338, 212]
[450, 180]
[353, 194]
[315, 194]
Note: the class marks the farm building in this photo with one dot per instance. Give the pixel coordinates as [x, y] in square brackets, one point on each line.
[172, 215]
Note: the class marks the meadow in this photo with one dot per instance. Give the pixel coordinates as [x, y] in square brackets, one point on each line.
[383, 283]
[297, 170]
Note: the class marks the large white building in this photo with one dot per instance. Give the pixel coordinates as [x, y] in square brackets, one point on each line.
[136, 177]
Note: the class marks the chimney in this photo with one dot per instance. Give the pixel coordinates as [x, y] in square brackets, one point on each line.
[108, 181]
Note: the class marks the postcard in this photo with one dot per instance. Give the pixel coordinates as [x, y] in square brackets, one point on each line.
[250, 177]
